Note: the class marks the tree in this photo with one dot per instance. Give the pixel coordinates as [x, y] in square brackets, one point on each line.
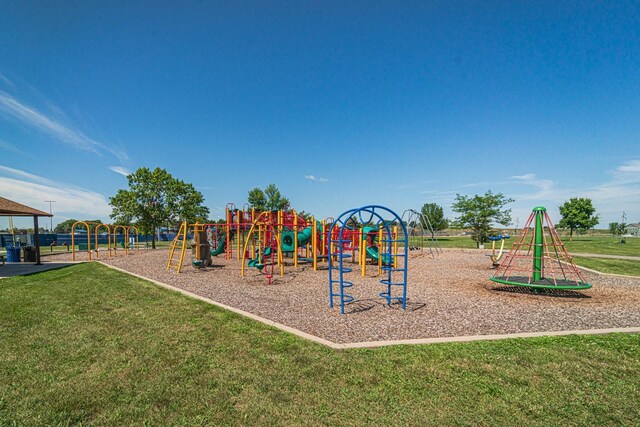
[65, 226]
[257, 200]
[435, 215]
[156, 198]
[577, 213]
[614, 228]
[268, 200]
[478, 212]
[617, 229]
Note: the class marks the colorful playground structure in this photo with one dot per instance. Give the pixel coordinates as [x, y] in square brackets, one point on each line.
[261, 240]
[269, 241]
[496, 257]
[112, 233]
[538, 258]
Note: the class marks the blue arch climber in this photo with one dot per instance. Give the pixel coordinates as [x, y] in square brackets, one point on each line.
[395, 279]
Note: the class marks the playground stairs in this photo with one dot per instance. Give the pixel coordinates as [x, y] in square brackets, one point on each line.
[181, 241]
[337, 278]
[393, 270]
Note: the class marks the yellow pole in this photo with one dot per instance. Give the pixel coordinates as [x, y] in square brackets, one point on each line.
[238, 232]
[244, 251]
[196, 233]
[314, 244]
[395, 247]
[279, 247]
[277, 229]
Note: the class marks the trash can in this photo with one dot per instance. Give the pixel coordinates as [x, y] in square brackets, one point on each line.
[13, 254]
[29, 254]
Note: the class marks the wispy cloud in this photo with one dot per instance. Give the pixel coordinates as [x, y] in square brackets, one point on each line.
[33, 190]
[628, 170]
[621, 192]
[30, 116]
[22, 174]
[482, 184]
[316, 178]
[6, 81]
[4, 145]
[122, 171]
[544, 188]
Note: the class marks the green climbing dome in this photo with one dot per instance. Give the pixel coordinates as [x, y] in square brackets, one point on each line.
[538, 258]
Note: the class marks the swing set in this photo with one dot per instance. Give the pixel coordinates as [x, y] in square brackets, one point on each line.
[112, 238]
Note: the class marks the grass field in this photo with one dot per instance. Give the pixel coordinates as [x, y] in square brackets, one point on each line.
[612, 266]
[582, 244]
[603, 245]
[87, 344]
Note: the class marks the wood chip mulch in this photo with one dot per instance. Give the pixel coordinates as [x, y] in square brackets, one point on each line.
[450, 295]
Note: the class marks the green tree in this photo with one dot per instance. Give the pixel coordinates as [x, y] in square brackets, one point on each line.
[257, 200]
[435, 216]
[156, 198]
[618, 229]
[479, 212]
[65, 226]
[268, 200]
[577, 213]
[614, 228]
[275, 200]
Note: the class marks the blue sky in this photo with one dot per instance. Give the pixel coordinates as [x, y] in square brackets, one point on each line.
[339, 104]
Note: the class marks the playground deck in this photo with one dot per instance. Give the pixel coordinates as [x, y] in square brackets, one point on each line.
[448, 296]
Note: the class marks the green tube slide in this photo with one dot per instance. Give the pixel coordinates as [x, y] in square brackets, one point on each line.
[287, 242]
[222, 244]
[373, 253]
[372, 250]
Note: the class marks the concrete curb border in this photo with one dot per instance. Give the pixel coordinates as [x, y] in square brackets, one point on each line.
[375, 344]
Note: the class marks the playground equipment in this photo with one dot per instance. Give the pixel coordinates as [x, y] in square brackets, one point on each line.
[112, 238]
[386, 252]
[495, 258]
[421, 233]
[271, 240]
[538, 259]
[265, 240]
[260, 240]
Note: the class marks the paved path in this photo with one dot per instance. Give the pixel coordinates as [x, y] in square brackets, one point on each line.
[12, 269]
[628, 257]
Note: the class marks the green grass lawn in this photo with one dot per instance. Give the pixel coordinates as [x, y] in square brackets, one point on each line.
[581, 244]
[450, 242]
[89, 345]
[603, 245]
[613, 266]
